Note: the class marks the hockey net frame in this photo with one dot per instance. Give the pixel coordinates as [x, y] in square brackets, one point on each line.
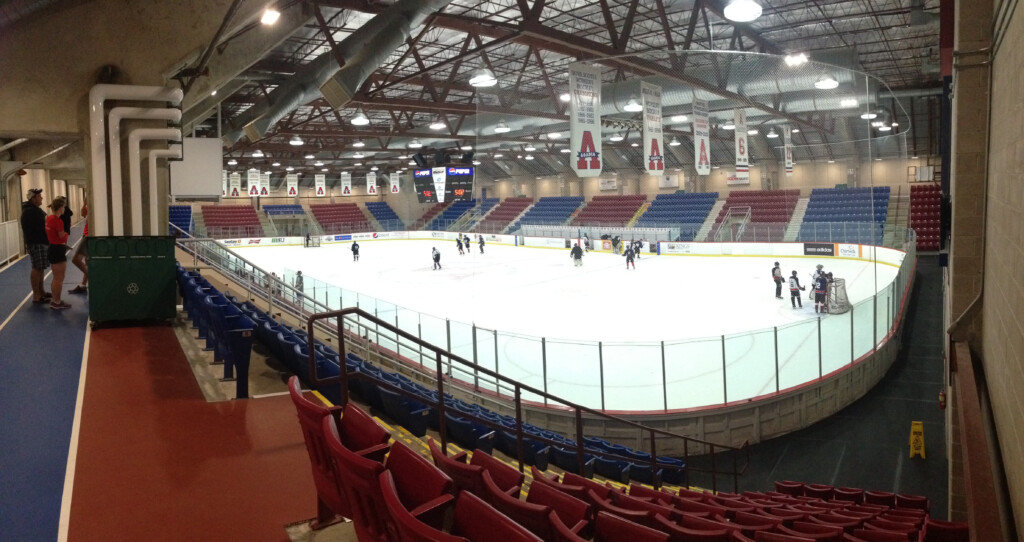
[312, 242]
[838, 301]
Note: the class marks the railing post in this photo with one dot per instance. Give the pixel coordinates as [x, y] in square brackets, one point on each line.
[725, 381]
[819, 349]
[476, 361]
[343, 370]
[775, 334]
[874, 322]
[580, 462]
[519, 425]
[853, 357]
[544, 366]
[496, 368]
[600, 369]
[664, 378]
[448, 335]
[441, 433]
[655, 479]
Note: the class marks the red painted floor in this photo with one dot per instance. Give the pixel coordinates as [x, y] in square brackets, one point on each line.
[157, 462]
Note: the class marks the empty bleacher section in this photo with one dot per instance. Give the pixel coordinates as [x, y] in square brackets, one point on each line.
[769, 213]
[340, 217]
[290, 209]
[683, 213]
[846, 215]
[550, 211]
[451, 215]
[231, 221]
[503, 214]
[181, 217]
[289, 219]
[430, 213]
[470, 219]
[385, 215]
[925, 215]
[610, 211]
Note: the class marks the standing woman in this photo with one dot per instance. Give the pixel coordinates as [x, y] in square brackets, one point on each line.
[57, 253]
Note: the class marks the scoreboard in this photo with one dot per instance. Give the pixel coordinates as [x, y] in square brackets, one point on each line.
[443, 184]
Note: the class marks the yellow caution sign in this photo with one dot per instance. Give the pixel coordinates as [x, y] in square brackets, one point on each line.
[917, 439]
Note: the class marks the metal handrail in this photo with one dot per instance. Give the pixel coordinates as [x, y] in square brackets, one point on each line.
[518, 387]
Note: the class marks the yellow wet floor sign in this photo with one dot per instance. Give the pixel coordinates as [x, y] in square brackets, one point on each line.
[917, 439]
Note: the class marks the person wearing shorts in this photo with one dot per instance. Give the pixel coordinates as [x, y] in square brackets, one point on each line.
[79, 259]
[33, 227]
[57, 252]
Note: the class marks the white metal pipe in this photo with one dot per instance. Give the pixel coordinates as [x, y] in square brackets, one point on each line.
[98, 95]
[14, 143]
[174, 151]
[114, 119]
[135, 137]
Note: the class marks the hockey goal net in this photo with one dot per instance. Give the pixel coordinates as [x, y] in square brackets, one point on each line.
[838, 302]
[312, 241]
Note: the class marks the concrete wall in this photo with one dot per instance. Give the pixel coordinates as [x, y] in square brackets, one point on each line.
[1003, 257]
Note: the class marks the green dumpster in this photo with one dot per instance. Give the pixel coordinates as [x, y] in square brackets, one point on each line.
[131, 278]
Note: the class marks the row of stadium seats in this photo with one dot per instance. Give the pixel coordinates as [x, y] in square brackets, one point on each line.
[609, 210]
[451, 214]
[289, 209]
[181, 217]
[384, 214]
[554, 210]
[505, 212]
[925, 215]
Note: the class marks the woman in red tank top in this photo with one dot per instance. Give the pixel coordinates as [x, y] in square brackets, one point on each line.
[57, 253]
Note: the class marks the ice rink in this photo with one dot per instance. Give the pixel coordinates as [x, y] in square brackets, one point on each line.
[662, 326]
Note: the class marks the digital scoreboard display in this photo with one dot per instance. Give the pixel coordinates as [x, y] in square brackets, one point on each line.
[443, 184]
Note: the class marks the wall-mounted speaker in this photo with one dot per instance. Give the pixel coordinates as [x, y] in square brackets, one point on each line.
[420, 160]
[441, 158]
[467, 158]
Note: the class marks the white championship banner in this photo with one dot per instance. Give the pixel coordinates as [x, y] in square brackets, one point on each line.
[394, 183]
[346, 183]
[320, 185]
[223, 183]
[292, 182]
[264, 184]
[652, 129]
[371, 183]
[787, 144]
[701, 137]
[585, 119]
[742, 159]
[235, 185]
[252, 179]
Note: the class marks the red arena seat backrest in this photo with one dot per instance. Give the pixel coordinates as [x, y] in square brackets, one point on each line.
[479, 522]
[330, 500]
[610, 528]
[423, 488]
[404, 527]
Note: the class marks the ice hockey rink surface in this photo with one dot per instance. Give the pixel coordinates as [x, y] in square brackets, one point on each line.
[682, 305]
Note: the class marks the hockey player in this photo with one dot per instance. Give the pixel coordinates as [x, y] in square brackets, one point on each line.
[577, 255]
[814, 279]
[434, 253]
[794, 291]
[458, 245]
[465, 242]
[629, 257]
[481, 244]
[355, 251]
[586, 242]
[777, 277]
[820, 291]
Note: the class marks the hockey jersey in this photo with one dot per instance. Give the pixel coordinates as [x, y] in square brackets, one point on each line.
[794, 284]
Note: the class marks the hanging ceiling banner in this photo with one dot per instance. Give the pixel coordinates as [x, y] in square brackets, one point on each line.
[652, 128]
[264, 184]
[223, 183]
[585, 119]
[252, 179]
[394, 183]
[346, 184]
[742, 159]
[292, 181]
[235, 183]
[320, 185]
[371, 183]
[787, 144]
[701, 137]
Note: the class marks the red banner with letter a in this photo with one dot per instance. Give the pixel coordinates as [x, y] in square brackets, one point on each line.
[585, 119]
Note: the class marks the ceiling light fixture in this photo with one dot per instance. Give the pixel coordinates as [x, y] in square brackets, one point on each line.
[437, 125]
[679, 118]
[564, 150]
[848, 102]
[257, 153]
[831, 161]
[674, 143]
[361, 155]
[476, 162]
[318, 163]
[309, 157]
[868, 115]
[895, 124]
[276, 164]
[358, 143]
[502, 127]
[796, 60]
[483, 78]
[554, 135]
[289, 168]
[728, 126]
[753, 131]
[772, 133]
[826, 82]
[529, 147]
[529, 157]
[466, 147]
[374, 168]
[633, 106]
[616, 137]
[357, 164]
[360, 118]
[634, 144]
[564, 97]
[295, 141]
[411, 163]
[270, 16]
[742, 11]
[213, 92]
[498, 155]
[795, 130]
[884, 128]
[325, 169]
[415, 144]
[232, 162]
